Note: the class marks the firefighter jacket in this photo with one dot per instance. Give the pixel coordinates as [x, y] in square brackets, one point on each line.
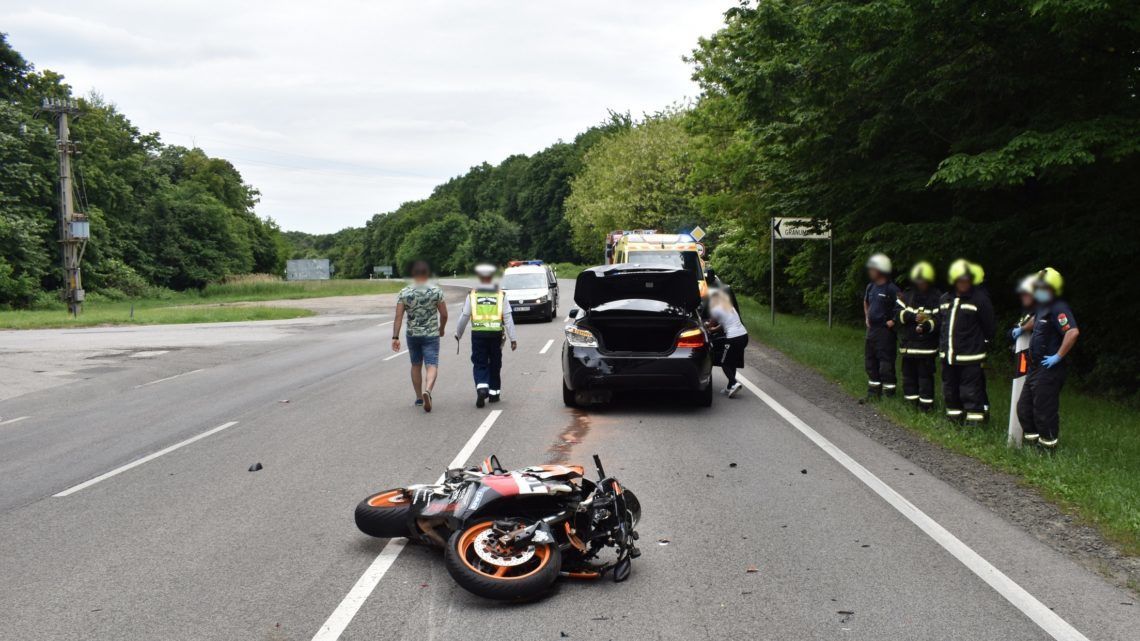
[967, 322]
[918, 338]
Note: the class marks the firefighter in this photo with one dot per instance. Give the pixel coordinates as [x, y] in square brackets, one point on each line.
[918, 337]
[1019, 340]
[491, 324]
[1054, 335]
[967, 320]
[879, 315]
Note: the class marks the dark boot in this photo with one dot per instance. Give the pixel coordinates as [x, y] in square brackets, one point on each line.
[481, 397]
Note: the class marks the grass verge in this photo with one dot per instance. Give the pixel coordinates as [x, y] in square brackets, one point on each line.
[146, 312]
[1095, 473]
[190, 306]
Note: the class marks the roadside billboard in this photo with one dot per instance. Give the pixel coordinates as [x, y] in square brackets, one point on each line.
[308, 269]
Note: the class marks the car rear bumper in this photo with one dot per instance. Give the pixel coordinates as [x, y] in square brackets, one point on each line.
[585, 368]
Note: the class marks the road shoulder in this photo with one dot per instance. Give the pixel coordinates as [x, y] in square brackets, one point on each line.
[1002, 493]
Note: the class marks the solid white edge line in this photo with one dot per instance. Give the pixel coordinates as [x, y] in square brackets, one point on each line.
[138, 462]
[384, 323]
[335, 625]
[388, 358]
[168, 378]
[546, 346]
[14, 420]
[1037, 612]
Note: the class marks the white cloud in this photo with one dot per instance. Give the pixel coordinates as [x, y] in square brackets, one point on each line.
[339, 109]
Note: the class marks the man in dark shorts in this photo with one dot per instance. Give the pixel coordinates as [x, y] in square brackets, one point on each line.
[422, 302]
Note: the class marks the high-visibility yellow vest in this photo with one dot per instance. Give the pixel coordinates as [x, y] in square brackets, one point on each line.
[486, 311]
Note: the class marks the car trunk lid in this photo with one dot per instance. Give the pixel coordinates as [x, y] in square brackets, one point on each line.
[600, 286]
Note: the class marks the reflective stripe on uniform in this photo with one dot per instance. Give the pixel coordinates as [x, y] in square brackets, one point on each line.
[874, 383]
[920, 352]
[910, 397]
[953, 412]
[889, 386]
[975, 416]
[926, 401]
[1048, 443]
[970, 306]
[970, 358]
[1029, 437]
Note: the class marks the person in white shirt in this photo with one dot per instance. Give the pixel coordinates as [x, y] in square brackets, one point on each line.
[725, 317]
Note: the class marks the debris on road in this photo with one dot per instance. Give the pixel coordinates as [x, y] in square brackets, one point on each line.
[284, 400]
[663, 541]
[732, 464]
[803, 471]
[752, 569]
[256, 467]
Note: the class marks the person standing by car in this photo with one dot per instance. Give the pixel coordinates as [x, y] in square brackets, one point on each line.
[879, 314]
[490, 316]
[917, 308]
[423, 304]
[725, 317]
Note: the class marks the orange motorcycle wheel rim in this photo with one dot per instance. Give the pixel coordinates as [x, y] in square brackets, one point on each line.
[391, 498]
[466, 549]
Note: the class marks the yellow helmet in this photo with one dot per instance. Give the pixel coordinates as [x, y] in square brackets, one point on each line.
[963, 268]
[1052, 278]
[922, 270]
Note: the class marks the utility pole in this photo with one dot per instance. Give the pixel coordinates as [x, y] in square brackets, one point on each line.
[74, 228]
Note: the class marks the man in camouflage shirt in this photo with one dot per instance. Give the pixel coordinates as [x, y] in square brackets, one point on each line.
[422, 302]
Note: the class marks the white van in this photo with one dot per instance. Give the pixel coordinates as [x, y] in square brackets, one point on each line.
[531, 287]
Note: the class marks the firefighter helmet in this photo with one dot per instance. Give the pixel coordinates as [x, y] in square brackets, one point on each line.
[1052, 278]
[880, 263]
[963, 268]
[1026, 285]
[922, 270]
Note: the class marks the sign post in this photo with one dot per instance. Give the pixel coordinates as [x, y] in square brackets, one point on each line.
[801, 229]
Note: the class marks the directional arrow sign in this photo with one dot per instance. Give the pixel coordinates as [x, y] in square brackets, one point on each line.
[800, 229]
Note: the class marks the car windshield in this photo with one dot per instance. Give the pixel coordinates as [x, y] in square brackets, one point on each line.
[524, 281]
[668, 258]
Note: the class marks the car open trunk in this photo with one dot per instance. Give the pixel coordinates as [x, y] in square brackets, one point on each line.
[637, 326]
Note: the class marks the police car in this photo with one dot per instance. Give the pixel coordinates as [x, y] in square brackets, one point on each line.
[531, 288]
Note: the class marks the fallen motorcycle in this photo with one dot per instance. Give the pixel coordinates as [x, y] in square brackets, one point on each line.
[509, 535]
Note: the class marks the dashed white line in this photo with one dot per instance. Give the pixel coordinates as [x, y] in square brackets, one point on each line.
[546, 346]
[388, 358]
[150, 353]
[14, 420]
[138, 462]
[168, 378]
[1037, 612]
[335, 625]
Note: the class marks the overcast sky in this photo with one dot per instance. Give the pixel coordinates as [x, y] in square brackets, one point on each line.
[339, 109]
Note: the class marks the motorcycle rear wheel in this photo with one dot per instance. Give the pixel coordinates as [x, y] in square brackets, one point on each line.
[386, 514]
[511, 580]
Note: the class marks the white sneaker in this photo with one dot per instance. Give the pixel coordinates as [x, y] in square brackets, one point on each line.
[731, 390]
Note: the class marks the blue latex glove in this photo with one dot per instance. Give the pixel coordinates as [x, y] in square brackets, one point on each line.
[1015, 332]
[1050, 361]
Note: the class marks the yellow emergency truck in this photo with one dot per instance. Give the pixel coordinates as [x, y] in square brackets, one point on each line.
[652, 249]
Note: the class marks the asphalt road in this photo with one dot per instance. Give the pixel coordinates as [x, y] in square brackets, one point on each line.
[846, 539]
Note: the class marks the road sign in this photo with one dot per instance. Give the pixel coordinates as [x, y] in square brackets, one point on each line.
[386, 270]
[800, 229]
[697, 233]
[308, 269]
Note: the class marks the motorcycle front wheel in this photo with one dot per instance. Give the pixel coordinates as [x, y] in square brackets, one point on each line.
[385, 515]
[479, 567]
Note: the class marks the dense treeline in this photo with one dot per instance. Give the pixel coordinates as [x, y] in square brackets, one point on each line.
[493, 212]
[162, 216]
[1006, 132]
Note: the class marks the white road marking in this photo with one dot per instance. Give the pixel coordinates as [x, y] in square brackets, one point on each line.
[388, 358]
[1037, 612]
[138, 462]
[169, 378]
[546, 346]
[14, 420]
[335, 625]
[150, 353]
[384, 323]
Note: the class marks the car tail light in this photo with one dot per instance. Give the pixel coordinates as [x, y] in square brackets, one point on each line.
[691, 338]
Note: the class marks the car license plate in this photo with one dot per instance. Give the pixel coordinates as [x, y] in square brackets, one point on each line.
[522, 308]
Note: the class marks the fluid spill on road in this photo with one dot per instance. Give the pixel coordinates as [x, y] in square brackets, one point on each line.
[572, 434]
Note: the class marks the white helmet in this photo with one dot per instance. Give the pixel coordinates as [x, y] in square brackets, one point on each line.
[880, 263]
[485, 270]
[1026, 284]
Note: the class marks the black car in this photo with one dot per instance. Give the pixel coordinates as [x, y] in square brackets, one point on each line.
[636, 328]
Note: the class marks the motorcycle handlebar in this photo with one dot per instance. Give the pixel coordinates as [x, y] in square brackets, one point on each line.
[598, 464]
